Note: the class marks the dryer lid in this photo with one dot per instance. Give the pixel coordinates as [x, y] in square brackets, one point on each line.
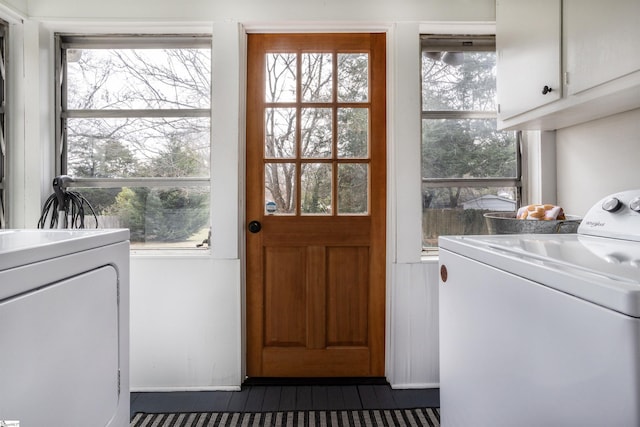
[25, 246]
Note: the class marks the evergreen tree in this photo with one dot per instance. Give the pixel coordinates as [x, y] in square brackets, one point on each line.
[462, 148]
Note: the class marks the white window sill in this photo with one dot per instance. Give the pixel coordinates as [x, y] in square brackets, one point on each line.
[430, 257]
[170, 253]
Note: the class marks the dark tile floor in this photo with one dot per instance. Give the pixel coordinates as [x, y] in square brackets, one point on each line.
[283, 397]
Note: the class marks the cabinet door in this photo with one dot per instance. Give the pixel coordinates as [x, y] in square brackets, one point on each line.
[528, 37]
[602, 41]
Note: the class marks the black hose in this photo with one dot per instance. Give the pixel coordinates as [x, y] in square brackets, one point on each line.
[74, 205]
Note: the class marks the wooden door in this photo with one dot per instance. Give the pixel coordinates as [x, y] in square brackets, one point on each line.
[316, 190]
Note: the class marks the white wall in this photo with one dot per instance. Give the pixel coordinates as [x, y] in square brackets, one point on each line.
[282, 11]
[187, 311]
[413, 332]
[13, 8]
[185, 323]
[597, 159]
[539, 167]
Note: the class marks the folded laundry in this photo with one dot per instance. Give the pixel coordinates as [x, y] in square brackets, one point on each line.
[540, 212]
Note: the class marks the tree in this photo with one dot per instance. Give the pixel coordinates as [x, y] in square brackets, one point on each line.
[171, 214]
[166, 215]
[138, 144]
[129, 207]
[462, 148]
[101, 158]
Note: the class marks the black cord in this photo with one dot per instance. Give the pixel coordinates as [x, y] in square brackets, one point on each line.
[74, 209]
[50, 204]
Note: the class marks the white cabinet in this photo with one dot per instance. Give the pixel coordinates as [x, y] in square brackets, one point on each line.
[528, 54]
[588, 51]
[602, 41]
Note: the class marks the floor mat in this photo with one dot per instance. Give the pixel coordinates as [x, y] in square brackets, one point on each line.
[394, 417]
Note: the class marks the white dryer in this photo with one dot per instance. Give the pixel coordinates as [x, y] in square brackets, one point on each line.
[64, 327]
[544, 329]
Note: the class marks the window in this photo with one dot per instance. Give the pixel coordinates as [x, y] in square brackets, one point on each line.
[134, 133]
[3, 122]
[468, 167]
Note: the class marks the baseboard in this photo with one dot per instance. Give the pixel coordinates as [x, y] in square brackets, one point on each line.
[176, 389]
[341, 381]
[414, 386]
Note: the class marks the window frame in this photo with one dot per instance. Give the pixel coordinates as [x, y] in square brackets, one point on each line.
[64, 41]
[4, 71]
[460, 42]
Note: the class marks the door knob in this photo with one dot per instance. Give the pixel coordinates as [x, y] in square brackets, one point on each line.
[546, 90]
[254, 226]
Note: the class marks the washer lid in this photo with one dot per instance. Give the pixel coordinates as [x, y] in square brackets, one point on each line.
[26, 246]
[600, 270]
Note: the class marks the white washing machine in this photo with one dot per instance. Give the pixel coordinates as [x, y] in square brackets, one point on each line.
[544, 329]
[64, 327]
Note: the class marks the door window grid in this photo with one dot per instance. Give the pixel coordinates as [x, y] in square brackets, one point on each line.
[133, 130]
[316, 134]
[468, 167]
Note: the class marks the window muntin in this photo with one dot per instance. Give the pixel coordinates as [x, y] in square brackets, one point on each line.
[468, 166]
[134, 131]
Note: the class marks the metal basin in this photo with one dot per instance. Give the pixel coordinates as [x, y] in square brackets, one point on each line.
[507, 223]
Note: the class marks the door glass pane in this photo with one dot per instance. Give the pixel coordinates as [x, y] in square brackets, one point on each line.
[353, 133]
[280, 133]
[280, 84]
[316, 132]
[280, 188]
[317, 77]
[353, 77]
[315, 181]
[353, 188]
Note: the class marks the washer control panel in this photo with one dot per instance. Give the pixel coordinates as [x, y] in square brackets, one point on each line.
[616, 216]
